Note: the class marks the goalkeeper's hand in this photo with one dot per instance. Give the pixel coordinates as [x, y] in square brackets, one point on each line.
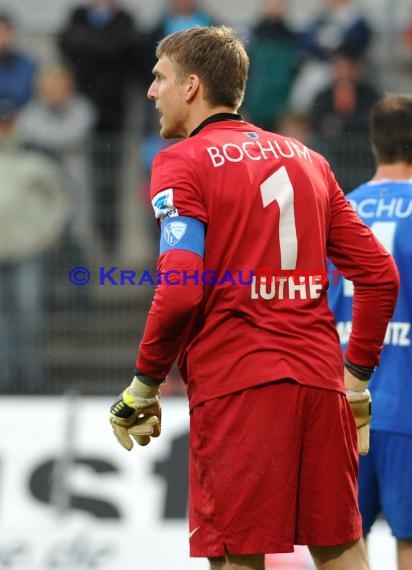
[360, 401]
[136, 413]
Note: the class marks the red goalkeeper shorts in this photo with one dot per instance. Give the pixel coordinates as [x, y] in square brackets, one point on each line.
[271, 467]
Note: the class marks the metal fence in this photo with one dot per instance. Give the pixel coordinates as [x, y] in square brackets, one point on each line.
[59, 333]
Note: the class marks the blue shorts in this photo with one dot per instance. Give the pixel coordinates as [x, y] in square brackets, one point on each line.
[385, 482]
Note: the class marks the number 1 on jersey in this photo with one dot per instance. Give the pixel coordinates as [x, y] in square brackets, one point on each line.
[278, 187]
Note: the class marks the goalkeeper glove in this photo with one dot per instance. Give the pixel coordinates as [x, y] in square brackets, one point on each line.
[136, 413]
[360, 401]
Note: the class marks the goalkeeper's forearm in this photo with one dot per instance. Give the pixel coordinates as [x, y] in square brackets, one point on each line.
[171, 313]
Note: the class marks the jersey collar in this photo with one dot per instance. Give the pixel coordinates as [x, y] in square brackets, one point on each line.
[215, 119]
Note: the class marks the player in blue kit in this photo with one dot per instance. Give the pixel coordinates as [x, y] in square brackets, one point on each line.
[385, 204]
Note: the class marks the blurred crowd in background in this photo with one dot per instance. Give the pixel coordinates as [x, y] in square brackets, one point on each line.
[77, 139]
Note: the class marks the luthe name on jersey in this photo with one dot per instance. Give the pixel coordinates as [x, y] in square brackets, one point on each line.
[278, 287]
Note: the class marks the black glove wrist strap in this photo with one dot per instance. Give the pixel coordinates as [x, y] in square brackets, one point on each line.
[152, 382]
[360, 372]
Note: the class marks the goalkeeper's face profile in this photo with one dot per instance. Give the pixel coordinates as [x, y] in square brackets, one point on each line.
[172, 96]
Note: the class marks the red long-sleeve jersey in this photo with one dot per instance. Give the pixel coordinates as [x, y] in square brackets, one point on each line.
[273, 213]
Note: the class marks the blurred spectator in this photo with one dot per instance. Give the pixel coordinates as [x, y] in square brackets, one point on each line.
[179, 15]
[59, 122]
[273, 51]
[33, 212]
[100, 42]
[17, 70]
[340, 121]
[340, 26]
[297, 126]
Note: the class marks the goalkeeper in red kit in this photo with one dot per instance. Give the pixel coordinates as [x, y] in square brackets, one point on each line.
[274, 410]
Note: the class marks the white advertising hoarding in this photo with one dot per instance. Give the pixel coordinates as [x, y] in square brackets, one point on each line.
[72, 499]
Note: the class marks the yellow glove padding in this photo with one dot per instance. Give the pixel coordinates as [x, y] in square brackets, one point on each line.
[136, 414]
[360, 401]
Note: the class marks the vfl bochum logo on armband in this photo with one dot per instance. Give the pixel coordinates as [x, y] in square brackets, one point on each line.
[174, 231]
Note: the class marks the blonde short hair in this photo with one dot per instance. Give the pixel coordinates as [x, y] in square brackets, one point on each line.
[214, 53]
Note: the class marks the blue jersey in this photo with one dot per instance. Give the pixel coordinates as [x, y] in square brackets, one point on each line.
[386, 207]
